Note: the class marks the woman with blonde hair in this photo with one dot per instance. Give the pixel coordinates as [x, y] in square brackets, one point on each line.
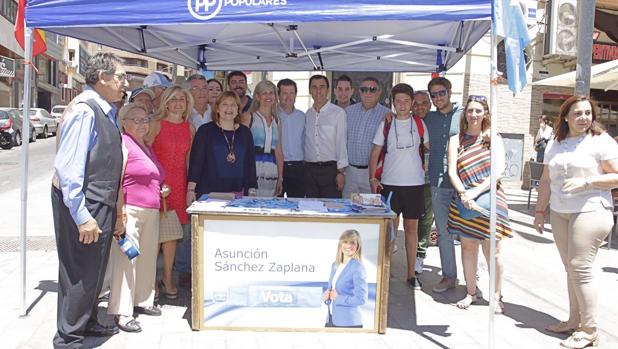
[171, 135]
[263, 121]
[347, 284]
[469, 168]
[581, 168]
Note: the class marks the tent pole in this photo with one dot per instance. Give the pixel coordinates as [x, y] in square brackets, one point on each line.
[493, 176]
[24, 162]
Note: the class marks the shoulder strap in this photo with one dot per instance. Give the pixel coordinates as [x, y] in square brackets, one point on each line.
[421, 133]
[385, 130]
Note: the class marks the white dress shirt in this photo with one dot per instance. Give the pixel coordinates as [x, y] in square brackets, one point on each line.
[198, 119]
[326, 135]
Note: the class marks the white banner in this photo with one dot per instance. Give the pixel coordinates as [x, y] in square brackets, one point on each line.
[274, 273]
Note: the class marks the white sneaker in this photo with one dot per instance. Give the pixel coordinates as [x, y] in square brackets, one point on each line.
[418, 267]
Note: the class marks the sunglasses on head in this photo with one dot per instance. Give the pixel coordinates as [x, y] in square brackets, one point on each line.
[421, 92]
[477, 98]
[440, 93]
[372, 89]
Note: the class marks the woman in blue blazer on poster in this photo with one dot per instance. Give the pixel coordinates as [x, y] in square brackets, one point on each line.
[347, 284]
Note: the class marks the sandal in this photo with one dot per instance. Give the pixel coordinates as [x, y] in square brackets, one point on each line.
[581, 339]
[165, 291]
[467, 301]
[499, 306]
[561, 327]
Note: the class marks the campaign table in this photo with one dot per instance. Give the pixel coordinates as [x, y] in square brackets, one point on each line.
[264, 263]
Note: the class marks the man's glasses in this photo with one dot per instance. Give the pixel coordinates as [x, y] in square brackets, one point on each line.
[477, 98]
[123, 77]
[195, 88]
[140, 120]
[372, 89]
[440, 93]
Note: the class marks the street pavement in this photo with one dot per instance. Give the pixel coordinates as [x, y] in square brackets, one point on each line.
[534, 289]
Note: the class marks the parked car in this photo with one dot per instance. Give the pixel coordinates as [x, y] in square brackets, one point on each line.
[56, 112]
[11, 128]
[43, 122]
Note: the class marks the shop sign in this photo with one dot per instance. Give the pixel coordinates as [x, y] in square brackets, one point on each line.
[7, 67]
[604, 52]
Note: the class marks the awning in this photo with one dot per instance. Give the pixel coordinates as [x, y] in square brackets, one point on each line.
[603, 76]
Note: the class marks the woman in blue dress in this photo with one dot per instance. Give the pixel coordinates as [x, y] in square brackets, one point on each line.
[263, 121]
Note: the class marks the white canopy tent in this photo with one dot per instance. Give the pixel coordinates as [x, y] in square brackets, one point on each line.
[275, 35]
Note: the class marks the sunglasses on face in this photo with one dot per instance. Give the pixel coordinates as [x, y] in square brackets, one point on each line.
[477, 98]
[440, 93]
[365, 89]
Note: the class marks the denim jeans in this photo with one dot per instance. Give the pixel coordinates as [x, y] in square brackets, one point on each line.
[183, 251]
[441, 200]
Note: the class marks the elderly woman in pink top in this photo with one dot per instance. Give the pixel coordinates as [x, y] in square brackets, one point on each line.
[133, 280]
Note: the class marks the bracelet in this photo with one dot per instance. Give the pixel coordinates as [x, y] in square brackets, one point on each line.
[191, 190]
[539, 211]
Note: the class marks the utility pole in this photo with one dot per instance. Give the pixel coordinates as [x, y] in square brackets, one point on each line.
[585, 11]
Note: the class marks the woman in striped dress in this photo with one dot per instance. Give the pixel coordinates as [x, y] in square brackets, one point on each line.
[263, 121]
[469, 169]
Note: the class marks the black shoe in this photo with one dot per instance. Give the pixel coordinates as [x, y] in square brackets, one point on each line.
[414, 283]
[150, 311]
[98, 330]
[131, 326]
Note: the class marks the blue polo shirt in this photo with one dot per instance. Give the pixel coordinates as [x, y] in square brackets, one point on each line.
[441, 127]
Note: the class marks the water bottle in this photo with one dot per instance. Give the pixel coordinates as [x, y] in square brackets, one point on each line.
[127, 247]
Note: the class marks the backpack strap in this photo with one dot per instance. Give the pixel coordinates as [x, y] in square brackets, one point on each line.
[385, 131]
[421, 133]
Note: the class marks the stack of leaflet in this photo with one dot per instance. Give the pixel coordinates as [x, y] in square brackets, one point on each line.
[368, 203]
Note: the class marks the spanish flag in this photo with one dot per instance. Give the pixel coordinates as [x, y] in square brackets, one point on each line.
[39, 46]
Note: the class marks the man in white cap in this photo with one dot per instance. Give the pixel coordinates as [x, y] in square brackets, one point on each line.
[157, 82]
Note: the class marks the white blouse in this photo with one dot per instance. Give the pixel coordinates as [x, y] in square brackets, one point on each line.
[579, 157]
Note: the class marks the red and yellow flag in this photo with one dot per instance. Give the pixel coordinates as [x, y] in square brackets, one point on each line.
[39, 46]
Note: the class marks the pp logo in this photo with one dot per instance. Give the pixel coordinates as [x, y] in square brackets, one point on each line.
[204, 9]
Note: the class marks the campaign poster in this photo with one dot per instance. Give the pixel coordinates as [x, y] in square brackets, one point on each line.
[274, 274]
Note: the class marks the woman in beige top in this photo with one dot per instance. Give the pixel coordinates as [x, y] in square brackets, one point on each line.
[581, 169]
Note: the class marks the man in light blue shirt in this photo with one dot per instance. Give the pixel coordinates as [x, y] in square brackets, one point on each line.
[442, 124]
[293, 139]
[363, 120]
[88, 168]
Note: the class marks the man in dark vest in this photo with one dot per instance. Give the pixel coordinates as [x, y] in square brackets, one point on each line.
[88, 167]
